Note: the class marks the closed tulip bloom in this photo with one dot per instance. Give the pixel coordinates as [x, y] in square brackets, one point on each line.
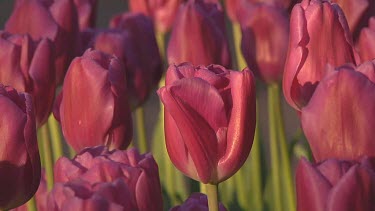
[19, 155]
[209, 120]
[56, 20]
[132, 40]
[366, 41]
[336, 122]
[124, 179]
[86, 10]
[309, 54]
[196, 202]
[94, 108]
[163, 12]
[28, 66]
[198, 35]
[336, 185]
[265, 35]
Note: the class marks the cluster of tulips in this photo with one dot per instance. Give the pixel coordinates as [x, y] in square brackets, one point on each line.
[70, 94]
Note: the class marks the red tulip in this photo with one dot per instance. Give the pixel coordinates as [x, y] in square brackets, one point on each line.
[336, 122]
[86, 10]
[196, 202]
[56, 20]
[108, 180]
[94, 109]
[336, 185]
[319, 35]
[198, 35]
[162, 12]
[28, 67]
[366, 41]
[265, 34]
[132, 40]
[209, 120]
[19, 156]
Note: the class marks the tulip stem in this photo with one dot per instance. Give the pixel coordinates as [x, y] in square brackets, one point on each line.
[48, 162]
[72, 153]
[212, 195]
[160, 39]
[141, 130]
[56, 138]
[31, 204]
[285, 159]
[275, 171]
[237, 36]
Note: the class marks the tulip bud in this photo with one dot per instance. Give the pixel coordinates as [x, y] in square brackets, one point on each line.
[94, 109]
[19, 155]
[265, 34]
[196, 202]
[86, 10]
[309, 54]
[28, 67]
[336, 122]
[336, 185]
[106, 180]
[198, 35]
[163, 13]
[209, 120]
[132, 40]
[366, 41]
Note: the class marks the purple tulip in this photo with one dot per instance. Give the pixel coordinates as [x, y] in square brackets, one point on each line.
[196, 202]
[56, 20]
[94, 108]
[335, 185]
[198, 35]
[265, 35]
[366, 41]
[319, 35]
[19, 155]
[28, 66]
[209, 120]
[132, 40]
[104, 180]
[337, 121]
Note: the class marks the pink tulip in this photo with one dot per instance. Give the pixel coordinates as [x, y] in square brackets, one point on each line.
[86, 10]
[198, 35]
[366, 41]
[209, 120]
[319, 36]
[100, 179]
[196, 202]
[19, 156]
[265, 35]
[94, 108]
[335, 185]
[337, 121]
[162, 12]
[28, 66]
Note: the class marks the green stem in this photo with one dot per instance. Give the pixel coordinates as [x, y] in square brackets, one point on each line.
[275, 171]
[47, 155]
[56, 141]
[160, 39]
[202, 188]
[212, 195]
[141, 130]
[285, 159]
[237, 36]
[72, 152]
[31, 204]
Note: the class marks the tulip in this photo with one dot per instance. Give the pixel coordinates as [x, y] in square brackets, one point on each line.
[56, 20]
[309, 54]
[28, 66]
[103, 178]
[19, 156]
[132, 40]
[336, 185]
[336, 122]
[86, 10]
[94, 109]
[198, 35]
[366, 41]
[197, 202]
[209, 120]
[265, 34]
[163, 13]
